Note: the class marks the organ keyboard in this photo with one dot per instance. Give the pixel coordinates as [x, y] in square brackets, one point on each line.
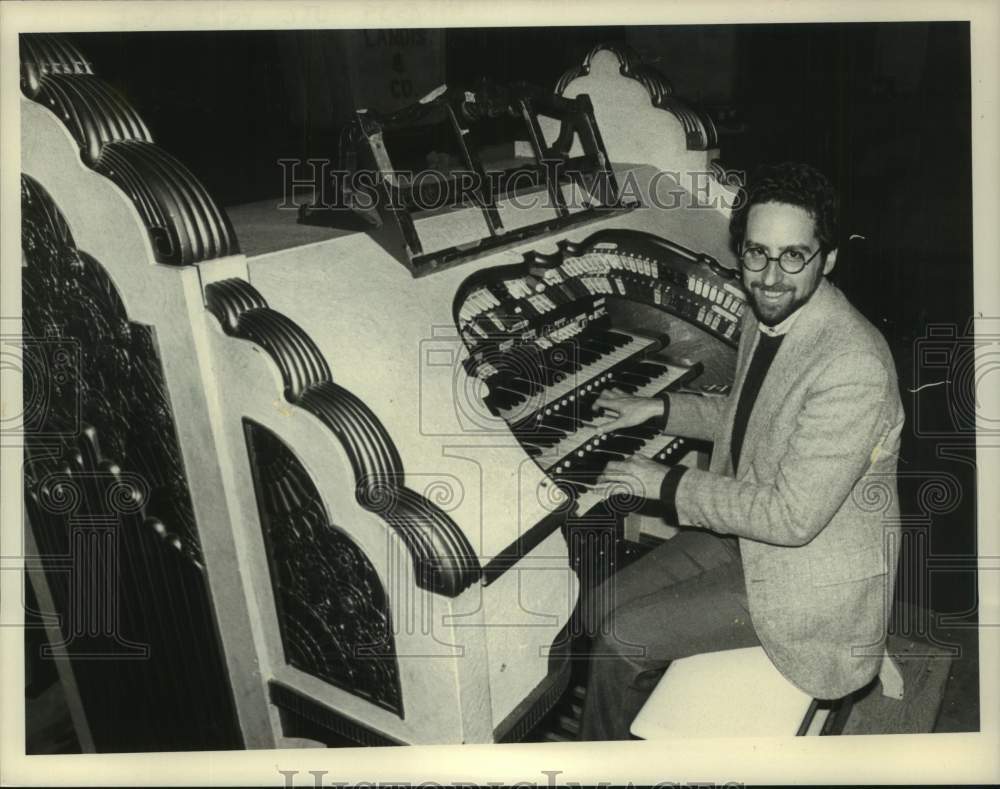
[543, 348]
[355, 480]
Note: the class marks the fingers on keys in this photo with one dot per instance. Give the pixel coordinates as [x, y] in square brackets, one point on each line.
[610, 398]
[614, 472]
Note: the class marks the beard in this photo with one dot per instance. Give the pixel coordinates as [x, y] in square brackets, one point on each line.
[772, 305]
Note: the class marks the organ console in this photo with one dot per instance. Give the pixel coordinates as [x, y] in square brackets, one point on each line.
[541, 341]
[332, 498]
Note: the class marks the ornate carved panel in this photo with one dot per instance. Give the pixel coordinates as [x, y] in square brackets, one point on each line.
[333, 612]
[107, 498]
[443, 558]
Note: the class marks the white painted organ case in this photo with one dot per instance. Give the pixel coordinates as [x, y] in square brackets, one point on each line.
[378, 496]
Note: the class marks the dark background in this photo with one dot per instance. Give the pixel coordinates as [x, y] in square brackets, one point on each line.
[884, 109]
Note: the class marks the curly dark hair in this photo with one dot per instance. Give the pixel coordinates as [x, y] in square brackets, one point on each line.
[793, 183]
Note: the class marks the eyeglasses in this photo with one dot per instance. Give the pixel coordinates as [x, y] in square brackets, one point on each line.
[792, 261]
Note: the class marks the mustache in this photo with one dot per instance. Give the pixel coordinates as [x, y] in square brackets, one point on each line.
[767, 289]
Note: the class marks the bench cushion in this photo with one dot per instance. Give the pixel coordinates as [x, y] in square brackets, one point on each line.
[733, 693]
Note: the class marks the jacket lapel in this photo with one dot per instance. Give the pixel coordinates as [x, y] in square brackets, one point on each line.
[794, 355]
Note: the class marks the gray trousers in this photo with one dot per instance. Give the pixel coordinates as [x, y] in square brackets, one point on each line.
[685, 597]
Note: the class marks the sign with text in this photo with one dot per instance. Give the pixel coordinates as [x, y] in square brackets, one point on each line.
[389, 69]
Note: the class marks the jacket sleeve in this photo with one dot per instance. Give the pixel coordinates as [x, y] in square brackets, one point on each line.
[696, 416]
[831, 447]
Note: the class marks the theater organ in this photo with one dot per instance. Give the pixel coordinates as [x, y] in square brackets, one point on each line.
[543, 344]
[336, 493]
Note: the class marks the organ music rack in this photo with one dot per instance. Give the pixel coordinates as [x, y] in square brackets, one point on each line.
[388, 196]
[309, 546]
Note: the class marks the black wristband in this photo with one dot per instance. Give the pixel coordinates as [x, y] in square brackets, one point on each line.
[661, 421]
[668, 494]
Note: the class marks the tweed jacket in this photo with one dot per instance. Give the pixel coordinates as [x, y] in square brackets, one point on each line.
[814, 503]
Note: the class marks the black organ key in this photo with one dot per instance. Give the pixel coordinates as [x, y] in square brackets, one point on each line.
[624, 444]
[623, 385]
[540, 434]
[617, 338]
[596, 345]
[563, 421]
[583, 354]
[505, 398]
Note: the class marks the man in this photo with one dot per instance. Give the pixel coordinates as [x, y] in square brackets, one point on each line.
[790, 531]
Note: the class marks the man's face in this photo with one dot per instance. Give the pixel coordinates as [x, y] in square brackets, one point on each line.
[775, 227]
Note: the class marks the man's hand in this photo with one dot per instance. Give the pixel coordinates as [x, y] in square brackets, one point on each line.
[628, 410]
[638, 476]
